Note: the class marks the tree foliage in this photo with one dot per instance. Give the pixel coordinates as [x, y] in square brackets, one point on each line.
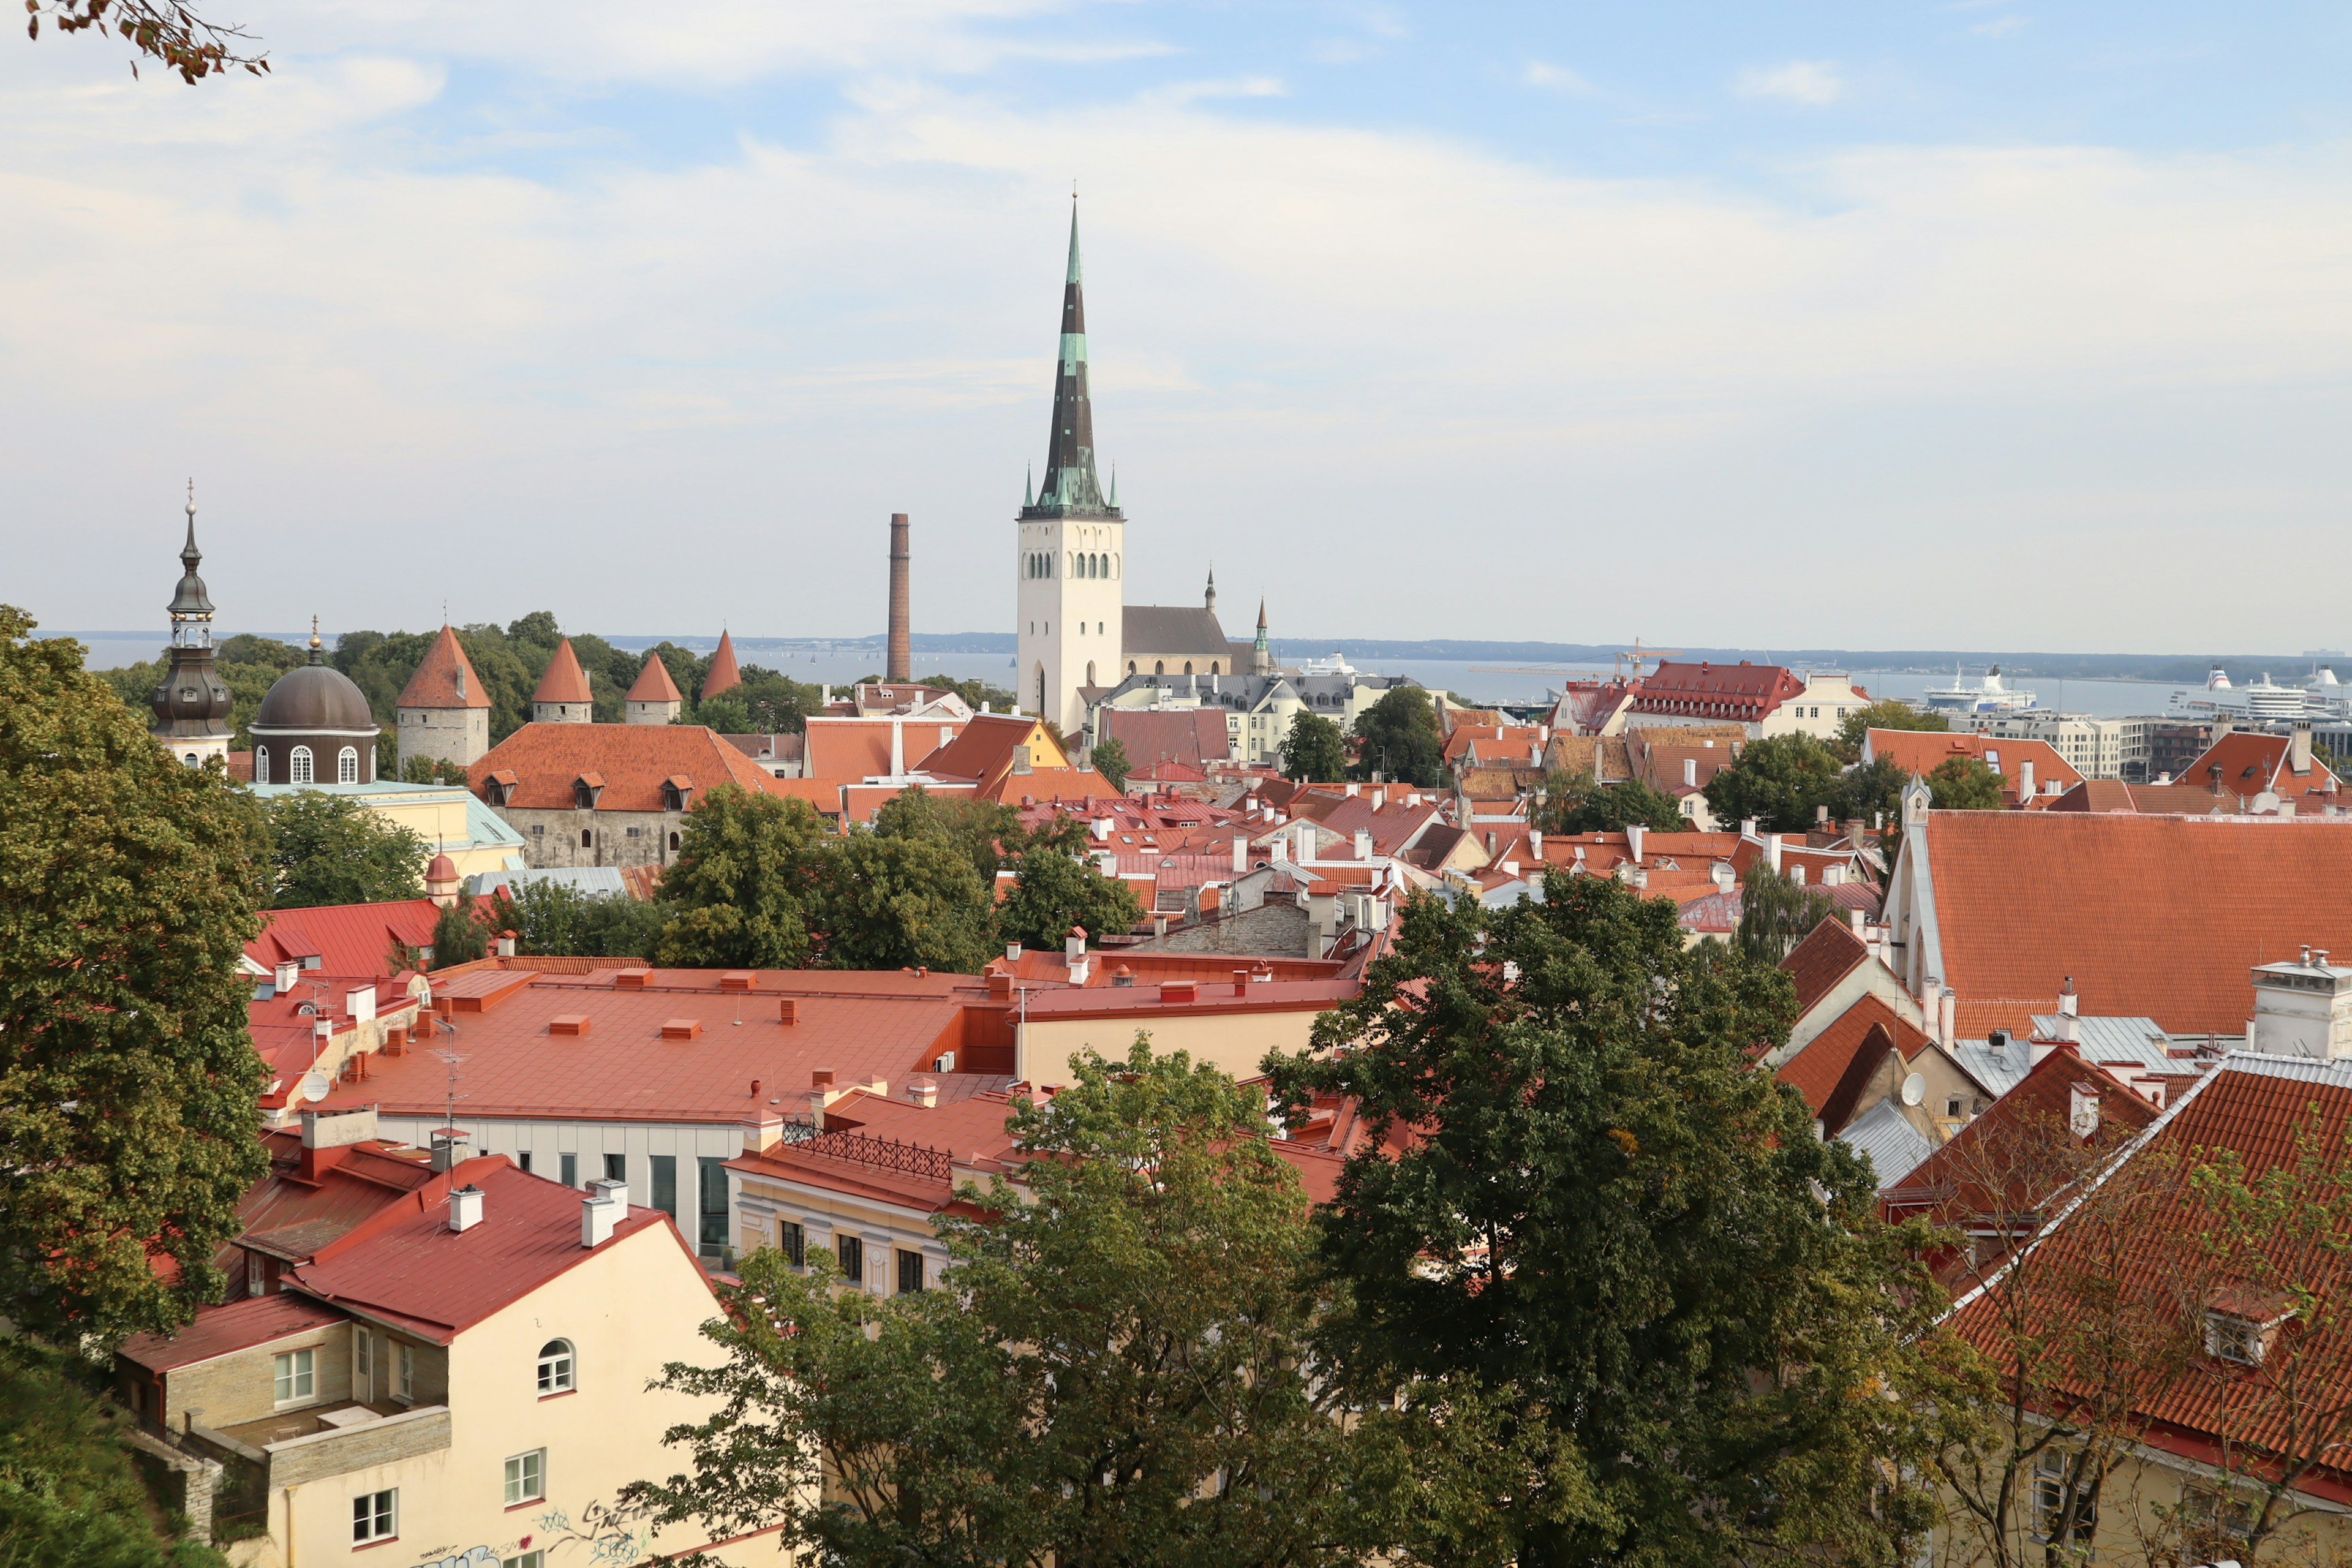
[183, 40]
[1776, 913]
[129, 885]
[1397, 738]
[890, 901]
[1678, 1298]
[1964, 783]
[1109, 759]
[1117, 1373]
[1887, 713]
[1870, 792]
[1572, 802]
[1314, 749]
[1053, 890]
[332, 850]
[554, 919]
[248, 665]
[1778, 781]
[738, 892]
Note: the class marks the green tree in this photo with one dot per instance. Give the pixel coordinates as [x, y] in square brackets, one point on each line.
[976, 693]
[459, 935]
[1109, 759]
[70, 1493]
[1887, 713]
[892, 901]
[248, 665]
[1315, 748]
[724, 714]
[1777, 781]
[128, 889]
[432, 771]
[557, 920]
[1680, 1299]
[1120, 1373]
[1054, 890]
[778, 704]
[1964, 783]
[1870, 791]
[739, 894]
[1397, 738]
[986, 833]
[330, 850]
[1571, 803]
[1776, 913]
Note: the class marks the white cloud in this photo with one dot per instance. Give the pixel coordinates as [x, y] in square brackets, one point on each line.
[1799, 82]
[1999, 27]
[1556, 79]
[1405, 384]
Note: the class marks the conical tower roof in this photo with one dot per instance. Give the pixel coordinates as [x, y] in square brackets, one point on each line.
[191, 602]
[654, 684]
[1071, 486]
[723, 676]
[446, 678]
[564, 681]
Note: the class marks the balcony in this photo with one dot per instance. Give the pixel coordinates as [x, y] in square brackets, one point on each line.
[309, 1445]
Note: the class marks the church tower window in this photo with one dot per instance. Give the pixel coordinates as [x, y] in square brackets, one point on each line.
[298, 769]
[347, 766]
[261, 764]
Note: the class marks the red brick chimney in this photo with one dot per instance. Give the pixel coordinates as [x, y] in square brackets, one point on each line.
[899, 665]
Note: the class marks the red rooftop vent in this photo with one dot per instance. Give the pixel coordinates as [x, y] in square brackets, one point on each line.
[633, 979]
[682, 1029]
[573, 1024]
[735, 980]
[821, 1078]
[1180, 990]
[788, 1011]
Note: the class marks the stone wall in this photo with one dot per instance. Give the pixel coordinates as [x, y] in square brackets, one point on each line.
[458, 735]
[231, 1389]
[552, 839]
[384, 1442]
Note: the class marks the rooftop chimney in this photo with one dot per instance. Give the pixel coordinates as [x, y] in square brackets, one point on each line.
[923, 1091]
[1635, 833]
[465, 1208]
[1690, 772]
[1074, 946]
[1772, 851]
[2298, 746]
[448, 1148]
[601, 1210]
[1364, 845]
[1947, 1015]
[2025, 780]
[899, 665]
[283, 977]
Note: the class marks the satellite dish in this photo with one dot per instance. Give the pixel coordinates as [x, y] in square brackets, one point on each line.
[316, 1086]
[1915, 1089]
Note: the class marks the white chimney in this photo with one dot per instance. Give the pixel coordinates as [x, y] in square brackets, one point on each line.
[465, 1208]
[283, 977]
[2025, 780]
[924, 1092]
[1747, 827]
[1690, 772]
[1074, 946]
[897, 748]
[1364, 845]
[1534, 842]
[1772, 851]
[1635, 833]
[1241, 853]
[360, 1003]
[2082, 1111]
[600, 1211]
[1102, 828]
[1947, 1016]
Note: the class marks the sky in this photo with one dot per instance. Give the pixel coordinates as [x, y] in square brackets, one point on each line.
[1867, 325]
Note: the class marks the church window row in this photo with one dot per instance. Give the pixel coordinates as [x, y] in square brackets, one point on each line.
[301, 765]
[1040, 563]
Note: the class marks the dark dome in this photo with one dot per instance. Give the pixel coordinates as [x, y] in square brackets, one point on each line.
[314, 697]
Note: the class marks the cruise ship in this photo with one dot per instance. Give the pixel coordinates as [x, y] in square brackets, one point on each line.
[1985, 695]
[2320, 697]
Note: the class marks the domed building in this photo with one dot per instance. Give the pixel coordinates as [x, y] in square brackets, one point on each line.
[314, 727]
[193, 704]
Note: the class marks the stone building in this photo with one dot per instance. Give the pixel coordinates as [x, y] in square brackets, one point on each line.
[655, 698]
[193, 704]
[314, 726]
[563, 696]
[607, 795]
[443, 714]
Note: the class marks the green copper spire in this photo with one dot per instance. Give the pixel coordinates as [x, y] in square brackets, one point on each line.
[1071, 486]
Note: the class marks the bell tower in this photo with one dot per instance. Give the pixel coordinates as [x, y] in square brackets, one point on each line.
[193, 704]
[1070, 551]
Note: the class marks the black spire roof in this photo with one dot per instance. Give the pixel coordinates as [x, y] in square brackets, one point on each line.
[1072, 488]
[191, 602]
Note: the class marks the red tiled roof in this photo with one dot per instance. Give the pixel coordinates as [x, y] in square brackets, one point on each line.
[2160, 917]
[1829, 953]
[2113, 795]
[723, 676]
[564, 681]
[2244, 765]
[310, 1198]
[654, 683]
[239, 1325]
[1922, 752]
[1816, 1071]
[446, 678]
[1189, 737]
[633, 758]
[1744, 691]
[407, 1265]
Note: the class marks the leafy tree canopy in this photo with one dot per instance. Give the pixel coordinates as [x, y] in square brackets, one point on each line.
[1887, 713]
[1572, 802]
[1397, 737]
[1053, 890]
[739, 890]
[1314, 750]
[890, 901]
[1776, 914]
[1964, 783]
[1109, 759]
[248, 665]
[557, 920]
[1777, 781]
[1681, 1299]
[129, 885]
[330, 850]
[1872, 792]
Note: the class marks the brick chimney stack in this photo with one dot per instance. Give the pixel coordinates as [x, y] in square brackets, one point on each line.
[899, 664]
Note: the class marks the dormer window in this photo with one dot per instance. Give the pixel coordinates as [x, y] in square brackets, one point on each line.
[586, 789]
[2242, 1324]
[678, 793]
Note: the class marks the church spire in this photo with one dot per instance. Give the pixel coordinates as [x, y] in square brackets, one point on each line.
[1262, 651]
[1210, 597]
[1071, 486]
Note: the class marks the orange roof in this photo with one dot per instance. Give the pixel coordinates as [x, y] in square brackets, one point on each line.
[2159, 917]
[2113, 795]
[723, 676]
[2245, 765]
[1922, 752]
[1816, 1071]
[1829, 953]
[635, 761]
[654, 683]
[446, 679]
[564, 681]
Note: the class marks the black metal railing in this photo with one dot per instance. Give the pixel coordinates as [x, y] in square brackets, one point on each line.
[885, 1153]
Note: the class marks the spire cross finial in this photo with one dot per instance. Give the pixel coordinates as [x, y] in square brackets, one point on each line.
[192, 498]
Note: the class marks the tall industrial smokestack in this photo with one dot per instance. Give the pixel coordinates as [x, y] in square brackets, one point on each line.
[900, 666]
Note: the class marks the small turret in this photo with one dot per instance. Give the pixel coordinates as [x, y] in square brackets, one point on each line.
[193, 704]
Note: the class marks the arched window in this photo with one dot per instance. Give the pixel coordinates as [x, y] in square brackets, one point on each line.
[555, 1369]
[347, 765]
[1090, 680]
[1131, 667]
[261, 764]
[585, 841]
[673, 842]
[190, 759]
[1159, 667]
[298, 769]
[1188, 667]
[1212, 667]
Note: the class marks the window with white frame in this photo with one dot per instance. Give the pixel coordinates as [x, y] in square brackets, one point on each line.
[527, 1477]
[296, 1375]
[375, 1516]
[363, 1363]
[555, 1371]
[347, 765]
[404, 1382]
[297, 766]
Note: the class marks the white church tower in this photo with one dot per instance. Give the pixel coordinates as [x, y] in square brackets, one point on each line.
[1070, 560]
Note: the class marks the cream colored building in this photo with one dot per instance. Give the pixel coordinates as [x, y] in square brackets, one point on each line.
[449, 817]
[1819, 710]
[460, 1380]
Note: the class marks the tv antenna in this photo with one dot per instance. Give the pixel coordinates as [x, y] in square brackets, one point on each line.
[451, 1097]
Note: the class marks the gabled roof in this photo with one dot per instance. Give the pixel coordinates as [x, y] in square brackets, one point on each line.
[1868, 1028]
[346, 938]
[1830, 953]
[984, 752]
[2115, 795]
[723, 676]
[1922, 752]
[635, 761]
[1189, 737]
[404, 1264]
[1175, 632]
[2162, 916]
[239, 1325]
[654, 683]
[1743, 691]
[445, 680]
[564, 681]
[2244, 765]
